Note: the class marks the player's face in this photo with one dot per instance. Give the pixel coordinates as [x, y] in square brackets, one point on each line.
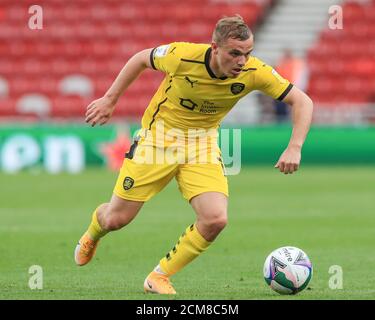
[232, 55]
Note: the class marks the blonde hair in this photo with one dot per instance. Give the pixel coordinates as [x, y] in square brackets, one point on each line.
[231, 27]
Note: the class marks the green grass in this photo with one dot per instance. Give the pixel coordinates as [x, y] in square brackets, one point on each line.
[327, 211]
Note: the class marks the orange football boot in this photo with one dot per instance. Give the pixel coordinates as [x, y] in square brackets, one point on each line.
[85, 250]
[158, 283]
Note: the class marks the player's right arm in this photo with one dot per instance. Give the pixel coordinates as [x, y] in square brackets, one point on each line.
[100, 111]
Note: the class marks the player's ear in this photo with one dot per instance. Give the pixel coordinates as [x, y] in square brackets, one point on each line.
[214, 47]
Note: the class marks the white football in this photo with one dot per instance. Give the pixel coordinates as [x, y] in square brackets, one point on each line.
[288, 270]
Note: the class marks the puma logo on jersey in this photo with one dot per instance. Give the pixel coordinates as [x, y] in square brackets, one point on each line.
[190, 81]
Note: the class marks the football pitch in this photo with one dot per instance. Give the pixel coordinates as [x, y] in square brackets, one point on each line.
[327, 211]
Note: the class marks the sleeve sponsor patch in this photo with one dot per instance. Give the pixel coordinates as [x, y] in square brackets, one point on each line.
[161, 51]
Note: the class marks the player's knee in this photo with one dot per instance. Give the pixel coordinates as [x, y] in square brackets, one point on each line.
[217, 222]
[114, 221]
[220, 223]
[112, 224]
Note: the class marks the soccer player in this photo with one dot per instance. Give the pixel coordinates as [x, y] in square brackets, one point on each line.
[202, 83]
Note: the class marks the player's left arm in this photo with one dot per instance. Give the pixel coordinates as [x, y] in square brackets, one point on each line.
[302, 109]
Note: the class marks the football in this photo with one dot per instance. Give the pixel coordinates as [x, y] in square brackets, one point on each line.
[287, 270]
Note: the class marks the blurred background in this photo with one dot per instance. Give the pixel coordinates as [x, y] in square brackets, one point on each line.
[57, 58]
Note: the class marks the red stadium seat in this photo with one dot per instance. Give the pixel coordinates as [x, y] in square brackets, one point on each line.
[342, 61]
[95, 38]
[69, 107]
[8, 107]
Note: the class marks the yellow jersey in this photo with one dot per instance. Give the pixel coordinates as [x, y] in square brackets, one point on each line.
[191, 96]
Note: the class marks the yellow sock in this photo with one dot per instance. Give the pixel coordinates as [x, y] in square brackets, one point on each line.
[95, 230]
[190, 245]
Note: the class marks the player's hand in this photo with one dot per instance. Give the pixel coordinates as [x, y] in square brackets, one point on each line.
[99, 111]
[289, 160]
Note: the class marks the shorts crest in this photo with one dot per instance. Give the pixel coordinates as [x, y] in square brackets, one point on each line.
[128, 183]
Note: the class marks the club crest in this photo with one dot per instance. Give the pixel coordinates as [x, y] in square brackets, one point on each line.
[237, 87]
[128, 183]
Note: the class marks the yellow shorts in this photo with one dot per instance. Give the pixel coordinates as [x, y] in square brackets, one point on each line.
[141, 181]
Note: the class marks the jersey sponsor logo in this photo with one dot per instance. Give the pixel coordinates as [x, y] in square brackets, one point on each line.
[209, 107]
[161, 51]
[278, 77]
[188, 104]
[237, 87]
[128, 183]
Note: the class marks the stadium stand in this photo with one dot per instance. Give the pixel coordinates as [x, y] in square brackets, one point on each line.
[55, 72]
[342, 64]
